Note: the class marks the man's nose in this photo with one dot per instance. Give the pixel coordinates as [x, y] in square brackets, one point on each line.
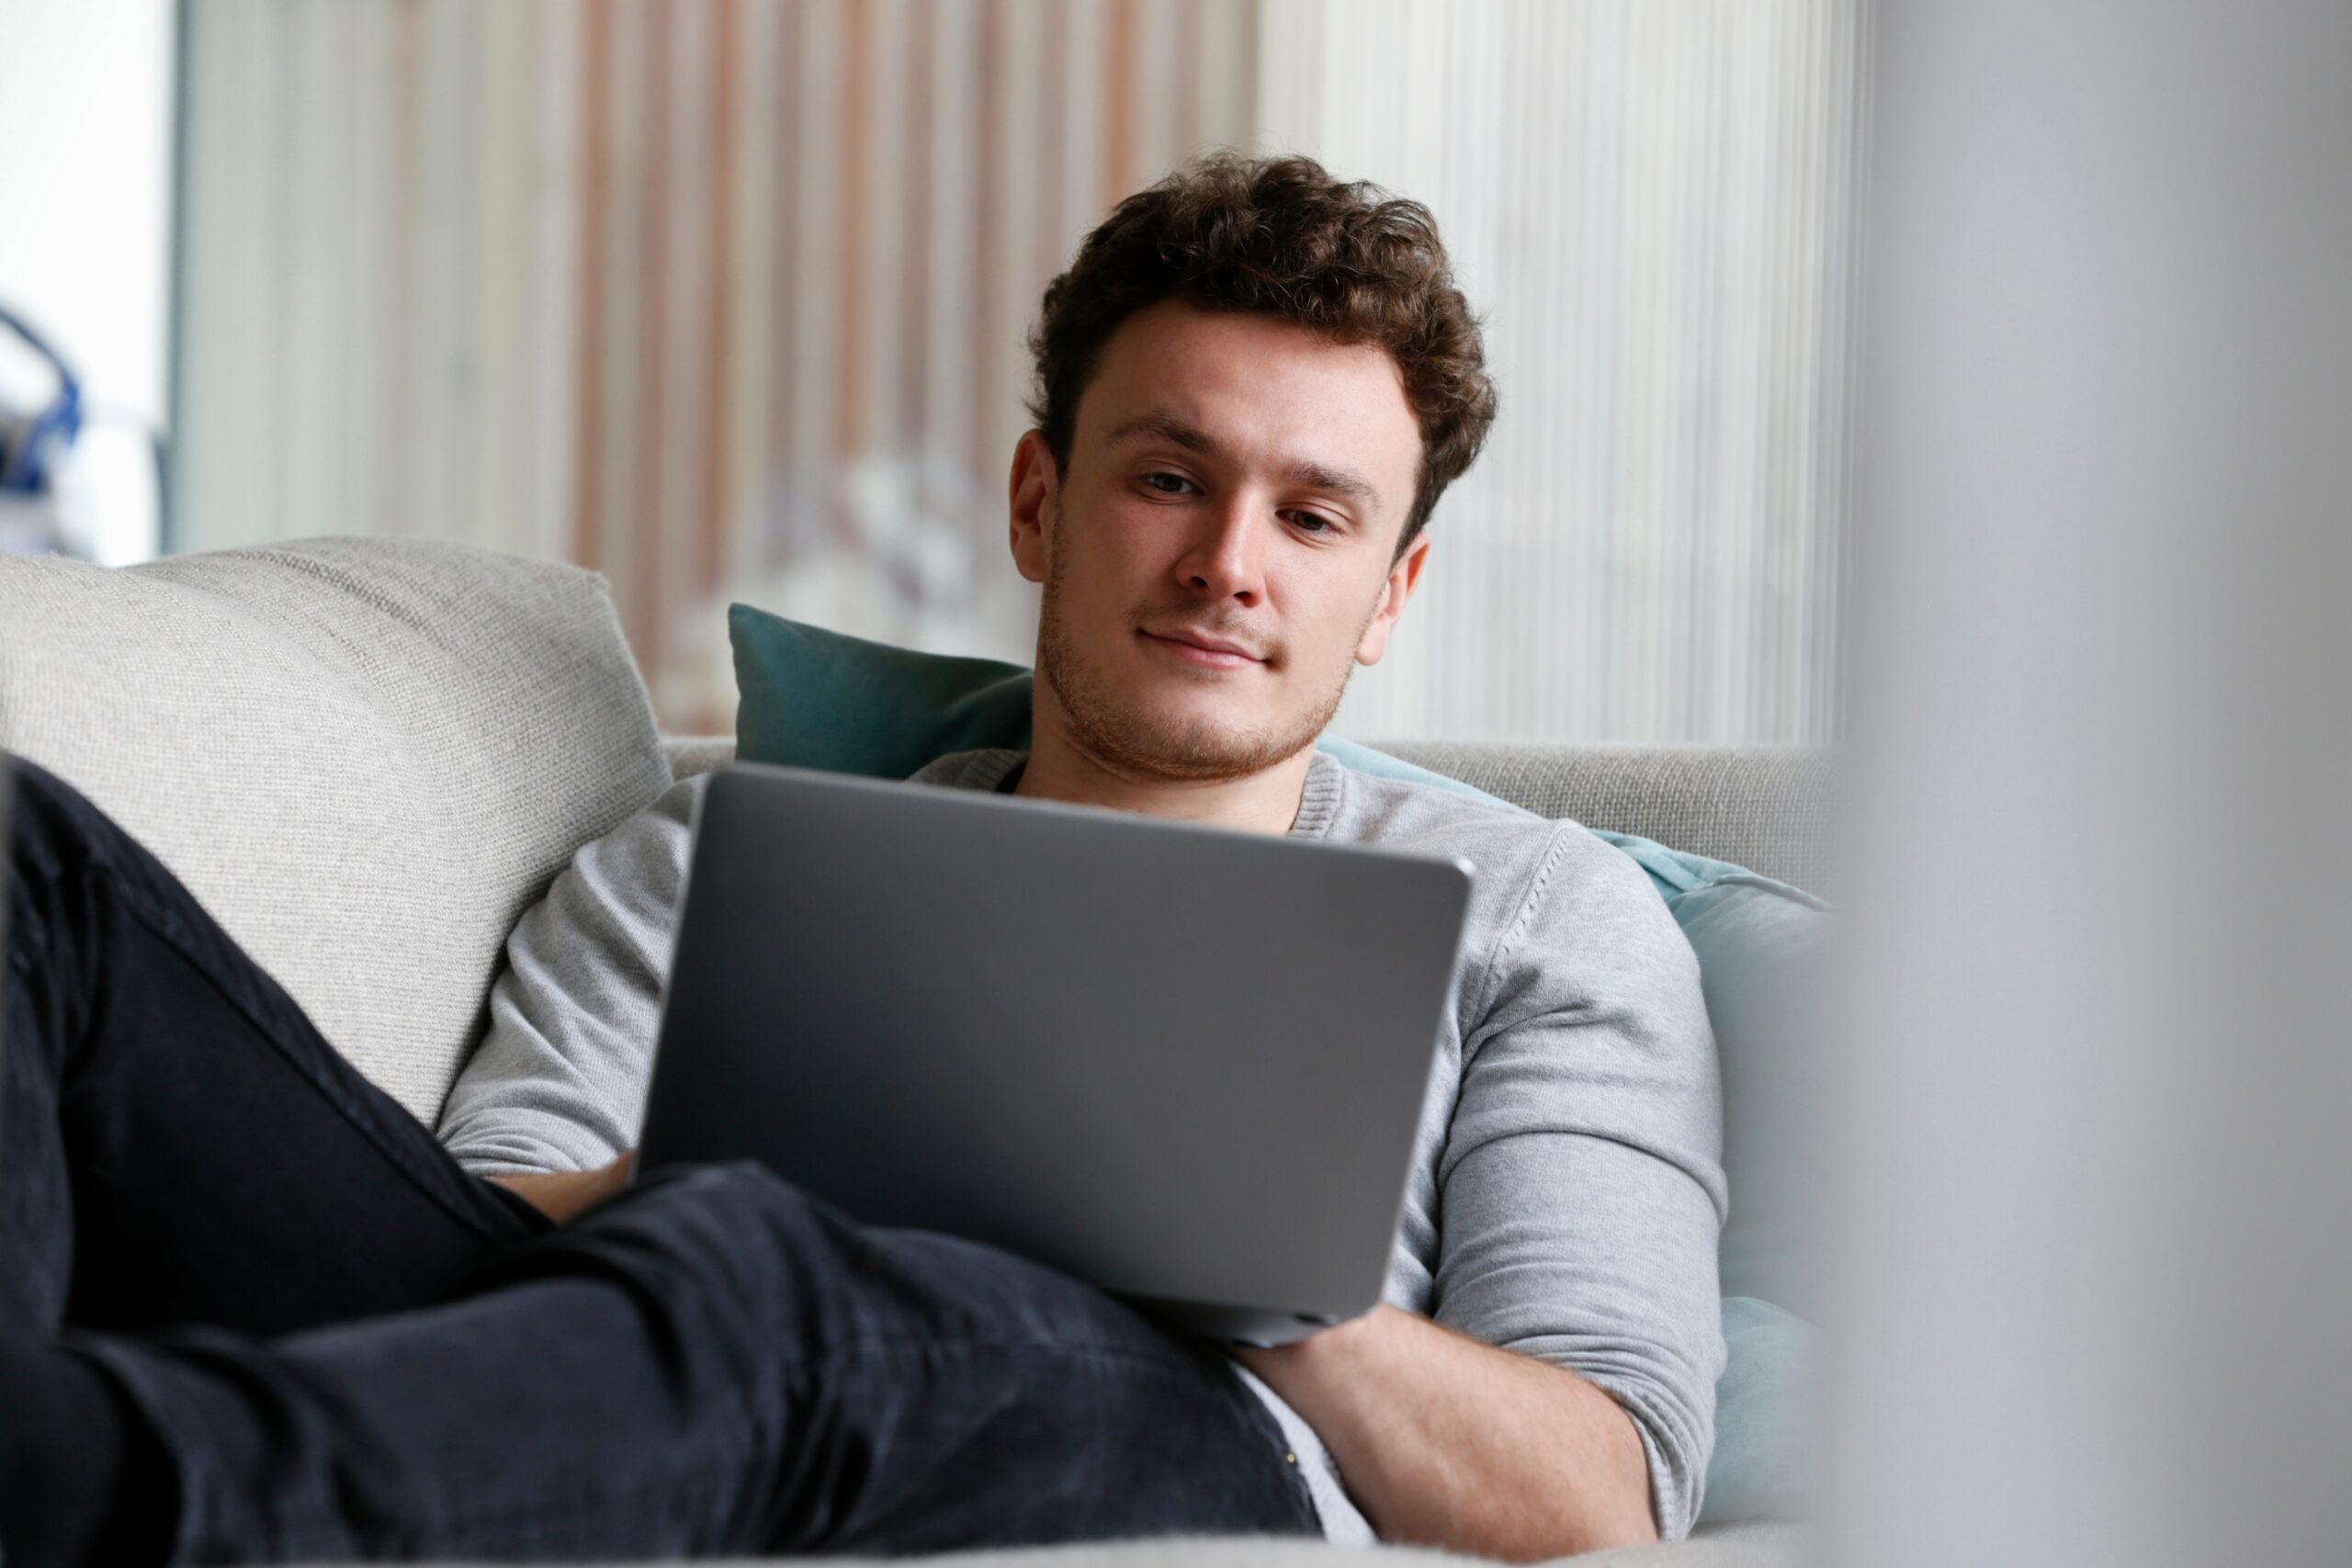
[1226, 560]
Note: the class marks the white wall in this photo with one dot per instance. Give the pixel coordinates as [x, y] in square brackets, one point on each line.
[85, 203]
[1651, 207]
[2095, 1199]
[738, 313]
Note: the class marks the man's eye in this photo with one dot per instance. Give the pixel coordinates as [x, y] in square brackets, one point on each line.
[1174, 485]
[1313, 523]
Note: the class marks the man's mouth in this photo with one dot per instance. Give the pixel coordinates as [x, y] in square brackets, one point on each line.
[1202, 650]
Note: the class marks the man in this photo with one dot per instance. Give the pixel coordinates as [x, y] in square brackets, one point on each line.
[1254, 383]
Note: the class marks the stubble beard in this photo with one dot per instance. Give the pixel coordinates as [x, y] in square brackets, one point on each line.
[1133, 741]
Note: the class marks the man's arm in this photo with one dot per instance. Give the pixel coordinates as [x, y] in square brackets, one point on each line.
[1580, 1199]
[1449, 1442]
[557, 1084]
[565, 1195]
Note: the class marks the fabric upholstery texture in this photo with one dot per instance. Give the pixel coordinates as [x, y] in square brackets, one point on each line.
[366, 757]
[1721, 795]
[1761, 1545]
[1768, 809]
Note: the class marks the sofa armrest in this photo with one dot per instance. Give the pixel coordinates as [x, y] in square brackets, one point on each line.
[692, 754]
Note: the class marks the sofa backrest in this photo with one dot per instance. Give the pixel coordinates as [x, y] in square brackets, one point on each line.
[1766, 808]
[366, 757]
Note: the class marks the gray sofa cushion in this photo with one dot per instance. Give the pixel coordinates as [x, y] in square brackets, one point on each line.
[366, 757]
[1745, 1546]
[1766, 808]
[1742, 1546]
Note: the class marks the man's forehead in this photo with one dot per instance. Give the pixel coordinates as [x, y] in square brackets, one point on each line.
[1173, 344]
[1257, 389]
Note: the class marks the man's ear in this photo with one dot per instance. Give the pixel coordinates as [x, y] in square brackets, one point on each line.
[1403, 577]
[1035, 504]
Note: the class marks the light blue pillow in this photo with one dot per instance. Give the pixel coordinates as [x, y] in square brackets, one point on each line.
[1764, 1433]
[812, 698]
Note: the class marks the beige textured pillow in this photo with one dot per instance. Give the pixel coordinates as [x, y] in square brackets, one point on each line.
[367, 756]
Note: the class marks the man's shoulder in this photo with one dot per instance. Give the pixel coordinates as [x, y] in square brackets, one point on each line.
[1494, 835]
[1552, 882]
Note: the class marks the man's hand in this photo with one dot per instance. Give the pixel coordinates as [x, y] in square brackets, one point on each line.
[1446, 1441]
[562, 1195]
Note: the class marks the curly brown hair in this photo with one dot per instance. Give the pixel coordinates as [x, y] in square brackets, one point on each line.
[1278, 237]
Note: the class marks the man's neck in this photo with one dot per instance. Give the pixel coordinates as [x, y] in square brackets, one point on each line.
[1263, 802]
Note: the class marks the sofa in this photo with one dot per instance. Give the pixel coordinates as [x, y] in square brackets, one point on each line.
[367, 756]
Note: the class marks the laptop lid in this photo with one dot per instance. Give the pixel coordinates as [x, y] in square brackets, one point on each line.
[1185, 1063]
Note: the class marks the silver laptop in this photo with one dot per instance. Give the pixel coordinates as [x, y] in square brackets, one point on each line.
[1183, 1064]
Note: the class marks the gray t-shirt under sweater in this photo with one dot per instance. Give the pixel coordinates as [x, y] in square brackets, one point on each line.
[1567, 1193]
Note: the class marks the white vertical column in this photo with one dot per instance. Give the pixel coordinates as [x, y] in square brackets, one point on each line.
[550, 363]
[1646, 200]
[760, 229]
[2095, 1210]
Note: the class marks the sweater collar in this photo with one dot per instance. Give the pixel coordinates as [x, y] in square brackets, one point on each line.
[1318, 801]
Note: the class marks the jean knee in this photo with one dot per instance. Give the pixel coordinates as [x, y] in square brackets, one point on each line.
[758, 1248]
[736, 1232]
[732, 1198]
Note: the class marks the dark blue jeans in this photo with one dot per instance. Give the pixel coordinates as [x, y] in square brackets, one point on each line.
[349, 1348]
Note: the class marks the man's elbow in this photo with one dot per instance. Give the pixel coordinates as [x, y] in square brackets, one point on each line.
[1623, 1517]
[1636, 1525]
[1548, 1540]
[1613, 1501]
[1597, 1495]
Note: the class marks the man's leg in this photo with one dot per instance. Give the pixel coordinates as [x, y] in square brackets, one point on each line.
[178, 1144]
[714, 1362]
[711, 1363]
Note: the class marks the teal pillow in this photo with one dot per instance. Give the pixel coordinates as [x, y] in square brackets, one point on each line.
[812, 698]
[816, 699]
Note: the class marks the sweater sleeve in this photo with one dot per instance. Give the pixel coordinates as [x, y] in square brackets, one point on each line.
[559, 1081]
[1581, 1184]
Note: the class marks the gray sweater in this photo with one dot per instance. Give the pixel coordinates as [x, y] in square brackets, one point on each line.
[1566, 1192]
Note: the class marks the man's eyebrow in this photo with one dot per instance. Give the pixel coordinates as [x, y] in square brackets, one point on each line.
[1167, 427]
[1338, 482]
[1306, 471]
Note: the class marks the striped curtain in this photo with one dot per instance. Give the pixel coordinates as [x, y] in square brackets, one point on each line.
[725, 298]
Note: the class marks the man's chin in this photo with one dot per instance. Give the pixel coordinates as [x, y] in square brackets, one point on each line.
[1177, 745]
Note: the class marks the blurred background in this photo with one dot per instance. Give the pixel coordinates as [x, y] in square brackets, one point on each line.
[725, 298]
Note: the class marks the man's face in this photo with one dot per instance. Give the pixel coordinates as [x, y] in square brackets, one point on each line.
[1220, 553]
